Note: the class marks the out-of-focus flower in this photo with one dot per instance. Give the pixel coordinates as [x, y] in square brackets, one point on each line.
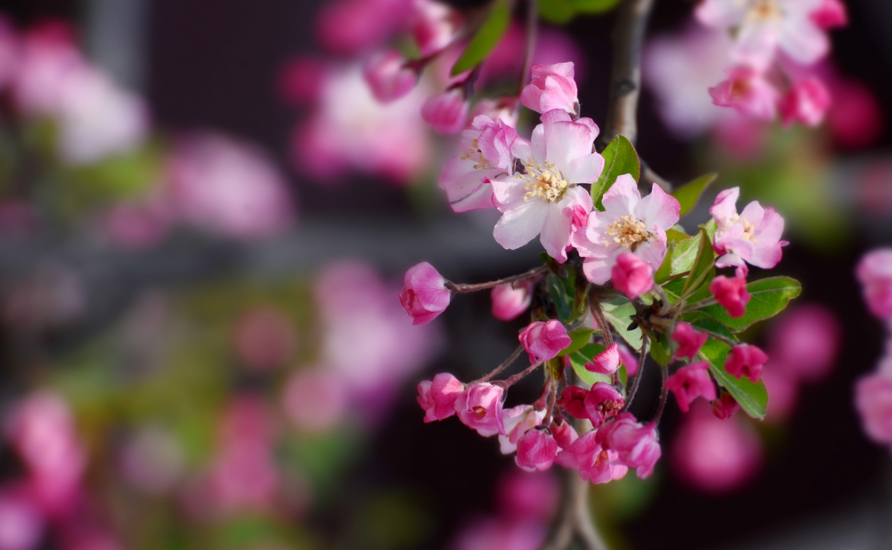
[806, 102]
[830, 14]
[434, 25]
[804, 341]
[855, 117]
[9, 52]
[315, 400]
[21, 523]
[527, 496]
[873, 399]
[264, 337]
[350, 27]
[747, 91]
[510, 300]
[446, 112]
[874, 272]
[501, 534]
[543, 340]
[424, 296]
[388, 76]
[690, 382]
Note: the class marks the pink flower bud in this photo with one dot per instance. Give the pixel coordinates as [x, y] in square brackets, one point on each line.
[746, 360]
[631, 275]
[725, 406]
[873, 399]
[434, 26]
[690, 382]
[806, 102]
[637, 445]
[424, 295]
[874, 271]
[480, 408]
[606, 362]
[437, 398]
[689, 340]
[564, 434]
[388, 76]
[748, 92]
[578, 217]
[594, 462]
[446, 112]
[510, 300]
[831, 13]
[602, 403]
[543, 340]
[572, 400]
[551, 87]
[629, 360]
[731, 293]
[517, 421]
[536, 450]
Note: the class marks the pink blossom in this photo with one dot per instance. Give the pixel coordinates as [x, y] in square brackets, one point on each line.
[527, 496]
[564, 433]
[388, 76]
[830, 14]
[434, 25]
[874, 272]
[873, 399]
[9, 53]
[725, 406]
[689, 340]
[501, 534]
[437, 398]
[715, 455]
[265, 337]
[783, 393]
[301, 79]
[594, 462]
[628, 359]
[764, 26]
[806, 102]
[350, 27]
[631, 275]
[510, 300]
[636, 444]
[748, 92]
[746, 360]
[446, 112]
[628, 224]
[518, 421]
[315, 400]
[602, 403]
[543, 340]
[753, 236]
[536, 450]
[486, 153]
[551, 87]
[855, 117]
[606, 362]
[21, 523]
[556, 160]
[480, 408]
[804, 341]
[690, 382]
[572, 400]
[48, 55]
[501, 108]
[425, 295]
[731, 293]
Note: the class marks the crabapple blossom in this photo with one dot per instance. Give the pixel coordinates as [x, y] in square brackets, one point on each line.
[434, 25]
[874, 272]
[806, 102]
[564, 433]
[503, 108]
[628, 359]
[830, 14]
[606, 362]
[446, 112]
[479, 407]
[731, 293]
[551, 87]
[725, 406]
[746, 360]
[424, 295]
[534, 202]
[747, 91]
[486, 152]
[873, 399]
[536, 450]
[636, 444]
[21, 522]
[804, 342]
[438, 397]
[352, 26]
[572, 400]
[627, 224]
[511, 299]
[631, 275]
[543, 340]
[388, 76]
[689, 340]
[517, 421]
[753, 236]
[690, 382]
[594, 462]
[314, 399]
[602, 403]
[527, 496]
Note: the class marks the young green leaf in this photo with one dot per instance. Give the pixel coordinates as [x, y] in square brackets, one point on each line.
[685, 253]
[563, 293]
[703, 264]
[619, 158]
[689, 194]
[662, 274]
[661, 350]
[580, 337]
[620, 317]
[769, 297]
[578, 360]
[753, 398]
[593, 6]
[708, 324]
[486, 38]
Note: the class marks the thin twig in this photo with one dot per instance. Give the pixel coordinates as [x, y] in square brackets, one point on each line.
[598, 314]
[641, 358]
[511, 358]
[532, 30]
[462, 288]
[519, 376]
[664, 394]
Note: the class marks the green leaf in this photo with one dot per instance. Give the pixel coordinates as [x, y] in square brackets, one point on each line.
[753, 398]
[674, 235]
[665, 270]
[701, 267]
[592, 6]
[619, 158]
[685, 253]
[557, 11]
[620, 317]
[580, 337]
[563, 294]
[769, 297]
[661, 350]
[689, 194]
[486, 38]
[585, 355]
[709, 324]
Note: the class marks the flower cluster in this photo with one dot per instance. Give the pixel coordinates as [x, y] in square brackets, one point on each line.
[614, 258]
[776, 45]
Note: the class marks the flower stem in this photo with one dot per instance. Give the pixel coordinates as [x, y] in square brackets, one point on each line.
[463, 288]
[532, 27]
[638, 375]
[511, 358]
[664, 394]
[510, 381]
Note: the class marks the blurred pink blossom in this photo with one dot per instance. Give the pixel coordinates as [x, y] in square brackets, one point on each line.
[873, 399]
[315, 400]
[874, 272]
[804, 342]
[351, 27]
[527, 496]
[21, 523]
[265, 337]
[9, 52]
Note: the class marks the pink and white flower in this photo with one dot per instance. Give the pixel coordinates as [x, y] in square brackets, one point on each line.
[606, 362]
[534, 202]
[594, 462]
[543, 340]
[746, 360]
[511, 299]
[446, 112]
[480, 408]
[873, 399]
[388, 76]
[636, 444]
[434, 25]
[749, 92]
[628, 224]
[874, 271]
[806, 102]
[602, 403]
[551, 87]
[486, 153]
[424, 295]
[438, 397]
[690, 382]
[830, 14]
[536, 450]
[631, 275]
[731, 293]
[753, 236]
[689, 340]
[518, 421]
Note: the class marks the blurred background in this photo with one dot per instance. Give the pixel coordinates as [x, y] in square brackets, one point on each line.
[205, 218]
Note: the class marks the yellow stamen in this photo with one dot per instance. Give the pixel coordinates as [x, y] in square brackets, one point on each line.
[629, 232]
[545, 182]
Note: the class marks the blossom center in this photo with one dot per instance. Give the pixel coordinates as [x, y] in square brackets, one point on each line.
[749, 230]
[544, 182]
[475, 154]
[629, 232]
[763, 11]
[479, 411]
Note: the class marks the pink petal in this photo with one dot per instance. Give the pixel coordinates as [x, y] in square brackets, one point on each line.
[623, 197]
[659, 208]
